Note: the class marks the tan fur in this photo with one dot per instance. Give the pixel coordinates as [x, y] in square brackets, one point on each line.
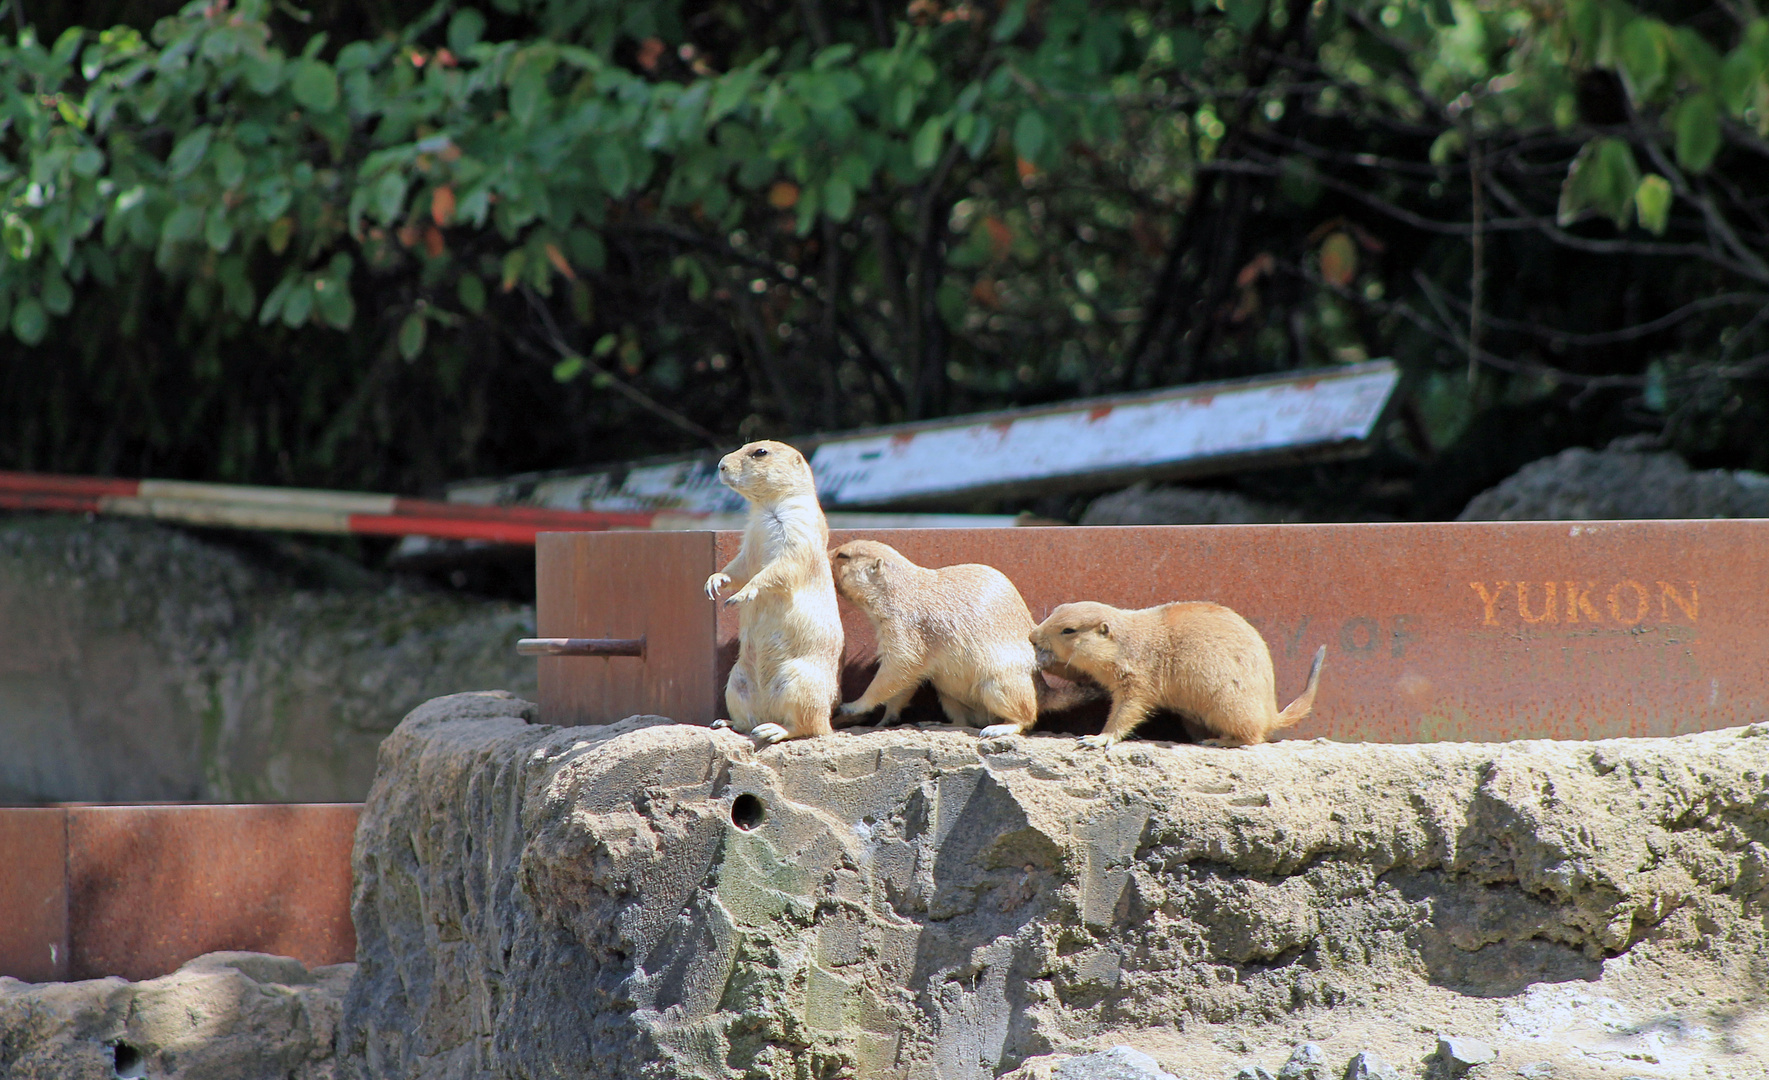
[787, 677]
[963, 628]
[1195, 658]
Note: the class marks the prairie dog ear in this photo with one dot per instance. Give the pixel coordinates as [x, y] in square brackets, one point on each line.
[1105, 629]
[877, 569]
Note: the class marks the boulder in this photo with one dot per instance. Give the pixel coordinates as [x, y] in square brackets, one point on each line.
[1145, 504]
[1628, 479]
[207, 672]
[223, 1016]
[653, 900]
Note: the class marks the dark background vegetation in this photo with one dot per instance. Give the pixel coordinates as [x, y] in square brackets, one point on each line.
[1206, 192]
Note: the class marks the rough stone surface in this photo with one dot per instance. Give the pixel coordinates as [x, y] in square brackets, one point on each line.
[1118, 1063]
[533, 901]
[1456, 1055]
[209, 674]
[223, 1016]
[1307, 1062]
[1367, 1066]
[1144, 504]
[1622, 481]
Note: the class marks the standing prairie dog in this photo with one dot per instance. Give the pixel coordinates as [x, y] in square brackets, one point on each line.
[788, 673]
[963, 628]
[1195, 658]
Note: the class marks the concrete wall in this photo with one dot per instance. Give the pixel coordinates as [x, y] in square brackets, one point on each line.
[140, 663]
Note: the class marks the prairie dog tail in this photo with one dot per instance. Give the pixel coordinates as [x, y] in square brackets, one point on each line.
[1304, 703]
[1059, 699]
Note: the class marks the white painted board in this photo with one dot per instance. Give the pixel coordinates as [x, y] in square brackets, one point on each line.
[1166, 432]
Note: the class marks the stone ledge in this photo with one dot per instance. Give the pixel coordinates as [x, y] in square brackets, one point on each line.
[545, 901]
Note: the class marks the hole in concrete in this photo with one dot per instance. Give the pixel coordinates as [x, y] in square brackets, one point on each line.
[747, 811]
[127, 1061]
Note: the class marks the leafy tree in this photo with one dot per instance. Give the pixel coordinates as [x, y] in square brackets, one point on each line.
[465, 240]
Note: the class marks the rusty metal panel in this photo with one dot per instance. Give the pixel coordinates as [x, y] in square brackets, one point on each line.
[627, 585]
[33, 893]
[150, 887]
[1434, 631]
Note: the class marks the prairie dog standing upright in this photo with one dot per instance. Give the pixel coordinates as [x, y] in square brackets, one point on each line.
[1195, 658]
[787, 678]
[964, 628]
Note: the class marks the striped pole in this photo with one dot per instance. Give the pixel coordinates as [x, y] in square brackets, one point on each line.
[301, 509]
[237, 506]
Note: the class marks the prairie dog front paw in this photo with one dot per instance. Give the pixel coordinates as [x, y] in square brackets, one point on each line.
[715, 583]
[742, 596]
[1098, 742]
[852, 708]
[720, 724]
[998, 731]
[768, 733]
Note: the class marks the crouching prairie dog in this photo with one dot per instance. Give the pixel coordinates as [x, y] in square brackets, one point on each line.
[963, 628]
[787, 678]
[1199, 659]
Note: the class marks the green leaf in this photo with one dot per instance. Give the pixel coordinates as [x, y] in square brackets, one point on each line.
[298, 304]
[336, 306]
[612, 165]
[188, 152]
[389, 197]
[1603, 177]
[1188, 49]
[273, 304]
[411, 336]
[1244, 15]
[838, 198]
[1697, 127]
[315, 86]
[1696, 59]
[528, 91]
[264, 74]
[1439, 13]
[218, 230]
[464, 30]
[1653, 200]
[586, 248]
[57, 295]
[926, 148]
[470, 290]
[230, 165]
[1739, 73]
[88, 162]
[18, 237]
[1029, 134]
[1011, 20]
[29, 321]
[568, 369]
[1644, 51]
[184, 223]
[604, 345]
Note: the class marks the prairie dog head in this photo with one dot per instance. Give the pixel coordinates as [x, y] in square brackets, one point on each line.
[765, 471]
[1077, 635]
[864, 571]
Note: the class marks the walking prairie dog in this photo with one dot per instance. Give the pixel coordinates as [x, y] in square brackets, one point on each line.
[787, 677]
[963, 628]
[1199, 659]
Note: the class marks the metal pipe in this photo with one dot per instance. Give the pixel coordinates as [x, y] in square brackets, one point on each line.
[581, 646]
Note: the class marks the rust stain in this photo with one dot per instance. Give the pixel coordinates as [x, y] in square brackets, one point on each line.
[136, 891]
[1442, 631]
[902, 438]
[1098, 412]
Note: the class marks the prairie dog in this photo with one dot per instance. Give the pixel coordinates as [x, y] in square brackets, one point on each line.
[964, 628]
[1196, 658]
[787, 677]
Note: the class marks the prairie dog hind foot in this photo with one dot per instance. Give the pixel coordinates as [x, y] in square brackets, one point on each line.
[999, 731]
[769, 734]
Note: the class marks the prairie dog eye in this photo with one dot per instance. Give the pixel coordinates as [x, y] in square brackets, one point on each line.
[758, 452]
[1068, 629]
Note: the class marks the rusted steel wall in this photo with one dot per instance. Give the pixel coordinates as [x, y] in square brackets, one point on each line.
[136, 891]
[1440, 631]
